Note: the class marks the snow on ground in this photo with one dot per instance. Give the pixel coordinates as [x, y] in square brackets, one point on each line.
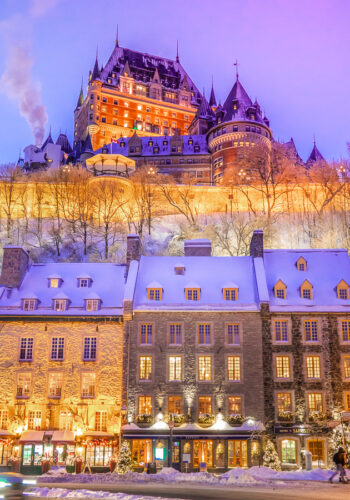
[63, 493]
[238, 476]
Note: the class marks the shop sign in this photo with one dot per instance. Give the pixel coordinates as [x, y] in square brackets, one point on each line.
[296, 429]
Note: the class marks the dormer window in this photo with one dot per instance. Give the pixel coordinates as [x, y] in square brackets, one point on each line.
[280, 290]
[165, 143]
[343, 290]
[55, 282]
[193, 293]
[92, 305]
[179, 269]
[29, 304]
[301, 264]
[196, 149]
[84, 282]
[190, 141]
[150, 143]
[122, 144]
[306, 290]
[60, 305]
[154, 293]
[230, 293]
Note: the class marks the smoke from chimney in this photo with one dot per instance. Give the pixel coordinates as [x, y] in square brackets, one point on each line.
[17, 80]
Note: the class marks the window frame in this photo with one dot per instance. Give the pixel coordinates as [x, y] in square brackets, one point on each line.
[311, 342]
[199, 380]
[230, 291]
[145, 355]
[342, 285]
[29, 302]
[290, 366]
[92, 305]
[198, 404]
[88, 396]
[313, 355]
[29, 393]
[192, 291]
[301, 261]
[241, 397]
[101, 423]
[240, 336]
[145, 396]
[26, 348]
[343, 357]
[176, 324]
[57, 348]
[91, 348]
[62, 302]
[316, 391]
[279, 285]
[177, 357]
[273, 331]
[146, 324]
[51, 374]
[178, 397]
[232, 380]
[306, 286]
[292, 402]
[204, 323]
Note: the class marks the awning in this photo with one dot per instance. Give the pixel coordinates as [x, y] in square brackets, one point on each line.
[99, 434]
[4, 432]
[32, 437]
[62, 437]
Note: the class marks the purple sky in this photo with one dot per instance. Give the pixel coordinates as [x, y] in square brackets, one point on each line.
[293, 57]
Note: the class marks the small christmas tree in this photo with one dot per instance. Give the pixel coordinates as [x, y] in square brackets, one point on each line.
[270, 458]
[124, 459]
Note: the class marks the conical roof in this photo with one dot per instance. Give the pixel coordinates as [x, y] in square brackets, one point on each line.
[80, 98]
[238, 106]
[212, 99]
[315, 156]
[47, 141]
[204, 110]
[95, 72]
[87, 147]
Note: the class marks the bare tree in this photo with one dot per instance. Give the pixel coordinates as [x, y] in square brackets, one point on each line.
[9, 193]
[180, 197]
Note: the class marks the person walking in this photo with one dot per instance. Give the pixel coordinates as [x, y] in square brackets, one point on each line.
[339, 459]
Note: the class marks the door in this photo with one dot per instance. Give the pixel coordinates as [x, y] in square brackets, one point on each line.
[220, 455]
[237, 453]
[203, 452]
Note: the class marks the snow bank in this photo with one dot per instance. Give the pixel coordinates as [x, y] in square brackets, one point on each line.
[63, 493]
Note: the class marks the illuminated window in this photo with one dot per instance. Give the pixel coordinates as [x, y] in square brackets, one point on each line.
[232, 330]
[230, 293]
[306, 290]
[347, 401]
[126, 104]
[34, 420]
[60, 305]
[145, 368]
[313, 366]
[346, 364]
[29, 304]
[316, 448]
[345, 328]
[192, 293]
[234, 368]
[146, 333]
[145, 405]
[204, 368]
[26, 349]
[284, 404]
[175, 368]
[204, 405]
[57, 348]
[54, 282]
[234, 405]
[3, 419]
[24, 381]
[282, 364]
[310, 331]
[90, 349]
[175, 405]
[175, 334]
[139, 107]
[281, 331]
[204, 334]
[288, 451]
[55, 384]
[88, 385]
[301, 264]
[343, 290]
[280, 290]
[101, 421]
[315, 404]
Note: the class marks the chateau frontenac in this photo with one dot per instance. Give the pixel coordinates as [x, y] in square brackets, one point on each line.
[194, 360]
[148, 109]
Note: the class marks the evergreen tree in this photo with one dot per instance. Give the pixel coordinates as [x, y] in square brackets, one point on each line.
[124, 459]
[270, 458]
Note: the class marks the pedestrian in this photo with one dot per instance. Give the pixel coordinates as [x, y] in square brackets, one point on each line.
[339, 459]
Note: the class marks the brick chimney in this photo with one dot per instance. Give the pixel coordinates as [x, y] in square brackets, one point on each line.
[198, 248]
[133, 249]
[257, 244]
[15, 263]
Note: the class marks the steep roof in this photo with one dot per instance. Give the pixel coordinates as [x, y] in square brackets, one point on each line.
[80, 98]
[63, 141]
[204, 110]
[47, 141]
[212, 99]
[95, 72]
[243, 102]
[315, 156]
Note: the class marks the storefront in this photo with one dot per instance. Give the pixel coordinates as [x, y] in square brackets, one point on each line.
[33, 451]
[6, 449]
[97, 449]
[63, 447]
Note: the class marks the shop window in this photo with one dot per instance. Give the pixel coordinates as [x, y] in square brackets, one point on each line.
[284, 406]
[88, 385]
[316, 448]
[141, 452]
[26, 349]
[343, 290]
[313, 366]
[34, 420]
[98, 455]
[146, 333]
[175, 334]
[175, 368]
[145, 405]
[280, 290]
[24, 381]
[3, 420]
[230, 293]
[232, 333]
[234, 405]
[55, 384]
[234, 368]
[145, 368]
[288, 451]
[280, 331]
[282, 365]
[57, 348]
[202, 452]
[32, 454]
[101, 421]
[310, 331]
[5, 452]
[175, 405]
[237, 453]
[192, 293]
[204, 333]
[90, 349]
[204, 368]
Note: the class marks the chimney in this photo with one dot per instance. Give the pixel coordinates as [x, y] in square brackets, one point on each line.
[198, 248]
[257, 244]
[15, 263]
[133, 249]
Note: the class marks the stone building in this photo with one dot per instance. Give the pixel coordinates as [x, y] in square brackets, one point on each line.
[61, 345]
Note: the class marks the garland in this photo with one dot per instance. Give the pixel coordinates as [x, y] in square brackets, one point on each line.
[98, 442]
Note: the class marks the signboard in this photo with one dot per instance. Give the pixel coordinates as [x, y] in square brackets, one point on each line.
[296, 429]
[186, 457]
[160, 453]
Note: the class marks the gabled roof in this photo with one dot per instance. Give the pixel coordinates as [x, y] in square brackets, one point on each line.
[47, 141]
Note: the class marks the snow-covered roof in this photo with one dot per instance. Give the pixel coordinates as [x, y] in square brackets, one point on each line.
[108, 284]
[154, 284]
[206, 273]
[325, 268]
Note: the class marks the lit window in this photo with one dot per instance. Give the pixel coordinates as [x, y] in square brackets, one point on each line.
[234, 368]
[175, 405]
[310, 331]
[345, 328]
[66, 421]
[29, 304]
[90, 349]
[284, 405]
[313, 367]
[346, 362]
[301, 264]
[126, 114]
[204, 405]
[192, 293]
[154, 293]
[280, 290]
[316, 448]
[315, 404]
[281, 331]
[306, 290]
[233, 334]
[101, 421]
[230, 293]
[139, 107]
[347, 401]
[146, 333]
[92, 305]
[343, 290]
[145, 368]
[54, 282]
[204, 368]
[3, 419]
[60, 304]
[175, 334]
[34, 420]
[88, 383]
[204, 334]
[282, 367]
[57, 348]
[26, 349]
[234, 405]
[126, 104]
[55, 385]
[288, 451]
[145, 405]
[175, 368]
[24, 381]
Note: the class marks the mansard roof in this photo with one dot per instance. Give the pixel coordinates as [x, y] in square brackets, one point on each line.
[143, 67]
[243, 103]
